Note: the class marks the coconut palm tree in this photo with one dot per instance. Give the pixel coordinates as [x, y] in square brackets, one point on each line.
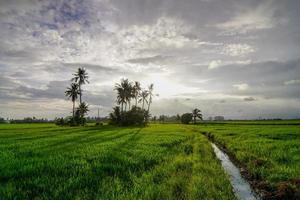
[81, 78]
[72, 93]
[129, 93]
[121, 99]
[150, 94]
[136, 91]
[82, 109]
[125, 93]
[143, 97]
[122, 93]
[196, 114]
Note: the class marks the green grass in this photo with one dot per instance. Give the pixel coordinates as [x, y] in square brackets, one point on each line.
[156, 162]
[270, 152]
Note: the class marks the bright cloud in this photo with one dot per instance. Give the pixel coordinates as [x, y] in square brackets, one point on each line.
[214, 64]
[242, 86]
[292, 82]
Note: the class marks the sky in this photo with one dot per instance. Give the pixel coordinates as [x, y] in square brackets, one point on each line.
[235, 58]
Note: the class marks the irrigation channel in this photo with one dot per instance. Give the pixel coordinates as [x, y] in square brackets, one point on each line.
[240, 186]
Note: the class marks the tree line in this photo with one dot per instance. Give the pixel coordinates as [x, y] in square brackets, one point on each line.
[185, 118]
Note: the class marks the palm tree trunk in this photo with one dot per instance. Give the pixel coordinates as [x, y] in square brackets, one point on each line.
[80, 93]
[73, 110]
[150, 99]
[135, 102]
[143, 103]
[129, 104]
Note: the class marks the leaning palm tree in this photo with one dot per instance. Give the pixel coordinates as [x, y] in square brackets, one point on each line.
[150, 94]
[81, 78]
[82, 109]
[136, 91]
[143, 97]
[196, 114]
[72, 92]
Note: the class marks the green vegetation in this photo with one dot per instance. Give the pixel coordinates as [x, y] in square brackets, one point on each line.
[44, 161]
[131, 91]
[269, 149]
[78, 116]
[186, 118]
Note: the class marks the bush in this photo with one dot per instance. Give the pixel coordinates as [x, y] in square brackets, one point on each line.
[186, 118]
[135, 116]
[99, 124]
[59, 121]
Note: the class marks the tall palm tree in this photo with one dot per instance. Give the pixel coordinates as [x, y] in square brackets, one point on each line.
[81, 78]
[82, 109]
[136, 91]
[72, 93]
[122, 93]
[150, 93]
[196, 114]
[129, 94]
[143, 97]
[121, 97]
[125, 93]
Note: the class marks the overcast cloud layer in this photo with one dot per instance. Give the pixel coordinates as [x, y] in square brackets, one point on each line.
[234, 58]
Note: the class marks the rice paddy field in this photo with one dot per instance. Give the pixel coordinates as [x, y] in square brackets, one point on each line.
[269, 150]
[161, 161]
[156, 162]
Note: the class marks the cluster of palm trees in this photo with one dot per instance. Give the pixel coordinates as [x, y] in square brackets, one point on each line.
[74, 91]
[131, 91]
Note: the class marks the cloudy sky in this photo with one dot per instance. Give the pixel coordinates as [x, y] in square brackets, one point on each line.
[237, 58]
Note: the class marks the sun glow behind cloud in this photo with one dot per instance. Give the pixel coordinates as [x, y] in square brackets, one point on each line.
[165, 87]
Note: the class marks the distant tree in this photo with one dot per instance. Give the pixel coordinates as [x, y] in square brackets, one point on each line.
[59, 121]
[135, 116]
[161, 118]
[196, 114]
[115, 116]
[72, 93]
[178, 117]
[154, 119]
[121, 99]
[186, 118]
[2, 120]
[82, 110]
[150, 94]
[125, 93]
[136, 91]
[81, 78]
[143, 98]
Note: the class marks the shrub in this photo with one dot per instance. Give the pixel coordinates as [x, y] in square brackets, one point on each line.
[59, 121]
[135, 116]
[186, 118]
